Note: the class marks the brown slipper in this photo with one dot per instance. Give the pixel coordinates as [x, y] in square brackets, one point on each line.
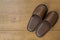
[37, 17]
[47, 23]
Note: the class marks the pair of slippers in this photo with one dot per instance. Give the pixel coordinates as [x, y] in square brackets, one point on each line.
[41, 21]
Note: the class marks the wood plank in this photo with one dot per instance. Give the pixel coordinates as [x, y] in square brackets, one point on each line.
[25, 35]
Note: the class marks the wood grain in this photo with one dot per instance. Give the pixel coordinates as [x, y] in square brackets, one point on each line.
[14, 17]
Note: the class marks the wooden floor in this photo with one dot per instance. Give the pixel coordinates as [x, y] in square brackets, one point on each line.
[14, 17]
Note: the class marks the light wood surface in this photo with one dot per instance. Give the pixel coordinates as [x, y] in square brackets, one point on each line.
[14, 17]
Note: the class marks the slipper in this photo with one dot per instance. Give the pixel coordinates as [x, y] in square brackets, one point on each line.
[37, 17]
[47, 23]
